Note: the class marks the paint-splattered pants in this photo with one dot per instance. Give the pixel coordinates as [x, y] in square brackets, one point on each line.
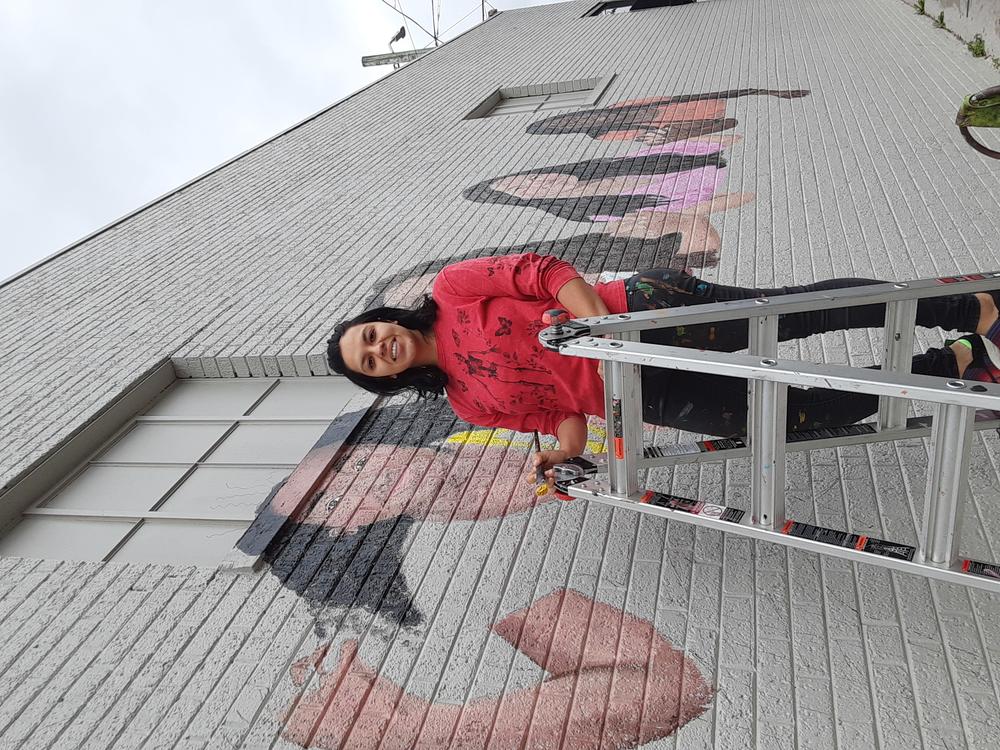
[716, 404]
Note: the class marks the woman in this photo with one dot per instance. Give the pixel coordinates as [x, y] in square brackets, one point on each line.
[476, 339]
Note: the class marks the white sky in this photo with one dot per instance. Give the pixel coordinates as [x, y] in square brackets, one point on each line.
[107, 104]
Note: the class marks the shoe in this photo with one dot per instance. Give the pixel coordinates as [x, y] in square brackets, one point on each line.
[985, 366]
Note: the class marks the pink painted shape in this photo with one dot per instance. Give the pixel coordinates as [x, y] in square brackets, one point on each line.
[420, 483]
[690, 147]
[606, 669]
[677, 190]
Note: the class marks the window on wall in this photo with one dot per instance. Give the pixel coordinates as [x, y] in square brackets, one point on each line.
[513, 100]
[627, 6]
[181, 482]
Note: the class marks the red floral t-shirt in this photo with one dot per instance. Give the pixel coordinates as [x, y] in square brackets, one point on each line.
[499, 375]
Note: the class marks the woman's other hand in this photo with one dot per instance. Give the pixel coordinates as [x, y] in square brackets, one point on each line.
[545, 460]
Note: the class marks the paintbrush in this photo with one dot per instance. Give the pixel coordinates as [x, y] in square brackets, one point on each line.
[543, 485]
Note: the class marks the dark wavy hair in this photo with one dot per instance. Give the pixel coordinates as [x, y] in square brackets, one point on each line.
[425, 381]
[581, 209]
[598, 122]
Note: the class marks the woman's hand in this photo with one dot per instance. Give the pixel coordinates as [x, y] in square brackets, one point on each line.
[545, 460]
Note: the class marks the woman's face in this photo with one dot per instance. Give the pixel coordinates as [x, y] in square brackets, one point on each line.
[528, 186]
[382, 349]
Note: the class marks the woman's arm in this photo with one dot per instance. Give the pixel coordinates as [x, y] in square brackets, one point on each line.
[525, 276]
[581, 300]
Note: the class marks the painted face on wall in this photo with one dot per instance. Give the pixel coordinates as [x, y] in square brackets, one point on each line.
[598, 189]
[544, 185]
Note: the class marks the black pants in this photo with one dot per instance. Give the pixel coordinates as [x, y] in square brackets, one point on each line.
[717, 404]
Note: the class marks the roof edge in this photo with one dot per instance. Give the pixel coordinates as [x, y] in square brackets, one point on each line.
[86, 238]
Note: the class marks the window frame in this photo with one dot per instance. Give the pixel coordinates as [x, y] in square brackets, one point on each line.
[594, 87]
[26, 498]
[595, 10]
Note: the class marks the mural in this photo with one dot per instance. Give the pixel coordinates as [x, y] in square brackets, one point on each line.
[345, 553]
[676, 176]
[652, 193]
[610, 679]
[657, 120]
[591, 254]
[358, 535]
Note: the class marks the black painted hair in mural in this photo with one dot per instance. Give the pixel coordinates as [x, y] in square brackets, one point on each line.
[424, 381]
[642, 116]
[333, 568]
[327, 567]
[581, 209]
[588, 253]
[596, 123]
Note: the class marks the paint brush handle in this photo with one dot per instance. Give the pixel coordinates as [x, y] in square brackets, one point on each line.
[539, 470]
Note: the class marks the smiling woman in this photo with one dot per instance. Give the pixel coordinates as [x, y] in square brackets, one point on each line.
[389, 349]
[477, 340]
[386, 349]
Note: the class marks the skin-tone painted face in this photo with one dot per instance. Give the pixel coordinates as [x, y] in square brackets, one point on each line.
[382, 350]
[528, 186]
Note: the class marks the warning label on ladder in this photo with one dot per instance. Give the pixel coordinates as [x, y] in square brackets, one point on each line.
[967, 277]
[694, 507]
[976, 568]
[859, 542]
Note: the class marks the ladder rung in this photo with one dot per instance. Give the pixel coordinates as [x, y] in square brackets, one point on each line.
[722, 449]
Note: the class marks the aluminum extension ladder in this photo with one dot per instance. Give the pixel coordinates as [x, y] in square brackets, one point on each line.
[950, 429]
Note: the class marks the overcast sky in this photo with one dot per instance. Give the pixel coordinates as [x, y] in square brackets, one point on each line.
[107, 104]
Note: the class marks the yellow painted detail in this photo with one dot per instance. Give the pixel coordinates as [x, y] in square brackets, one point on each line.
[596, 438]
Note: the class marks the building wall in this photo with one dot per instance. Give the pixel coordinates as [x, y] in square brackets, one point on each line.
[970, 17]
[424, 553]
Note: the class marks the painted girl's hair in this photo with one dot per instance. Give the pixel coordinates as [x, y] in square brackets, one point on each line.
[599, 122]
[642, 116]
[425, 381]
[581, 209]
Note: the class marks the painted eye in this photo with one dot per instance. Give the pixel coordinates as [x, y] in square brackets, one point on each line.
[371, 334]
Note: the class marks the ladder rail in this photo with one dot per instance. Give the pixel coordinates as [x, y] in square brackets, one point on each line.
[715, 312]
[710, 450]
[949, 464]
[956, 572]
[792, 372]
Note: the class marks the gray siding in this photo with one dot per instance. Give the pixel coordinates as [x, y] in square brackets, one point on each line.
[244, 271]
